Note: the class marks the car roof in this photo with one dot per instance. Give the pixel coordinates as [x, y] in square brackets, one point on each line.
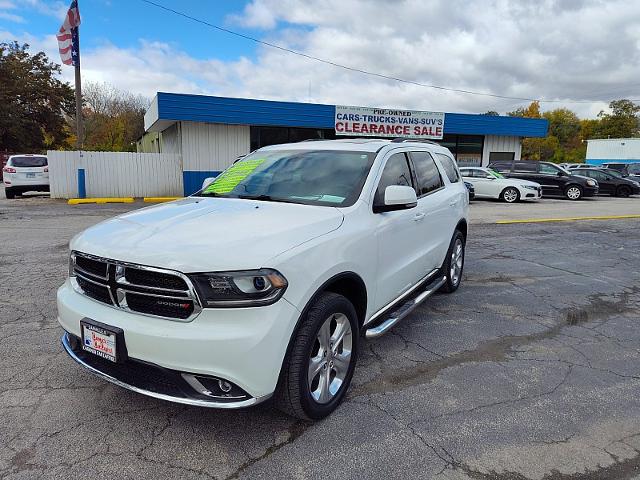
[353, 144]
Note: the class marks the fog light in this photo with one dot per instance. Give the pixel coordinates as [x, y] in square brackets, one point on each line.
[224, 386]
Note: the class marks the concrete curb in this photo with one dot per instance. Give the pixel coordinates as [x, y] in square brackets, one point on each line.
[160, 199]
[80, 201]
[566, 219]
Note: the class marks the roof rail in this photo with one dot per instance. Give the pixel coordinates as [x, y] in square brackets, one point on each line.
[419, 140]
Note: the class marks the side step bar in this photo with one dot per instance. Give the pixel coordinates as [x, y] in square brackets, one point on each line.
[405, 309]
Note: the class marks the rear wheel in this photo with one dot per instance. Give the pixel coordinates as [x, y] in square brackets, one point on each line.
[9, 193]
[510, 195]
[454, 263]
[573, 192]
[318, 370]
[623, 191]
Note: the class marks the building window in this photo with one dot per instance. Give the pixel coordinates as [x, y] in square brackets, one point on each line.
[265, 136]
[466, 149]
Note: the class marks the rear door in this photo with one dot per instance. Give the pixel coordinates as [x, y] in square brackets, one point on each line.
[399, 237]
[435, 227]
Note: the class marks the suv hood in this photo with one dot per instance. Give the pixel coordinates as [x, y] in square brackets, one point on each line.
[208, 234]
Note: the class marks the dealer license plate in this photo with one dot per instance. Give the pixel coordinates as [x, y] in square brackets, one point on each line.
[99, 341]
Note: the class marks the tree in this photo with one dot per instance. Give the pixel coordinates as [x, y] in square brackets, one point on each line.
[33, 101]
[114, 119]
[564, 125]
[622, 122]
[532, 111]
[492, 113]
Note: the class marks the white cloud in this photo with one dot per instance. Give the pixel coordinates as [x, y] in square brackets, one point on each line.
[11, 17]
[567, 50]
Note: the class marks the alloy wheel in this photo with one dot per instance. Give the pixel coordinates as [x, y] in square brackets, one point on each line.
[457, 257]
[330, 358]
[510, 195]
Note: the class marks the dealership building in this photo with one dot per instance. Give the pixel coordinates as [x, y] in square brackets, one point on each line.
[211, 132]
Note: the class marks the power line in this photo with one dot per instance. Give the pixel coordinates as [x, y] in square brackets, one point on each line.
[355, 69]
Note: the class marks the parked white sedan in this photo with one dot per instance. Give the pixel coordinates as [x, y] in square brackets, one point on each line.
[490, 184]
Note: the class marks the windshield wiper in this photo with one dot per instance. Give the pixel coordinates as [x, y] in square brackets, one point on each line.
[266, 198]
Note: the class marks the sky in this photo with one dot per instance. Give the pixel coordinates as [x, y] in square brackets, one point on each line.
[564, 51]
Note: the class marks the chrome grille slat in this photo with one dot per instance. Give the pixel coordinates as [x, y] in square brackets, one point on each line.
[160, 302]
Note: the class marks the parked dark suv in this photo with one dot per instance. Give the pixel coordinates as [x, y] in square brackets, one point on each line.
[555, 181]
[626, 169]
[610, 181]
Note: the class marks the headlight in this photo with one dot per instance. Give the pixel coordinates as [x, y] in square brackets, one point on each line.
[592, 183]
[249, 288]
[530, 187]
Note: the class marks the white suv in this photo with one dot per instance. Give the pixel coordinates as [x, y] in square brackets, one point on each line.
[25, 173]
[262, 284]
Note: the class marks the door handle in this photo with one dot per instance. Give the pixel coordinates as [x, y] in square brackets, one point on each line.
[453, 203]
[419, 216]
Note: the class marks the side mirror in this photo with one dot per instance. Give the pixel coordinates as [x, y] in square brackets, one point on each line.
[397, 197]
[207, 181]
[490, 177]
[561, 174]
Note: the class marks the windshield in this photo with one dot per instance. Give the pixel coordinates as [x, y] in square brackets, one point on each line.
[29, 162]
[613, 172]
[634, 169]
[494, 173]
[310, 177]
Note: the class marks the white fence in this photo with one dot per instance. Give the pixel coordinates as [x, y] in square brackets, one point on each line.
[115, 174]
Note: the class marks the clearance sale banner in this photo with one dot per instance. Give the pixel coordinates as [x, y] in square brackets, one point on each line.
[381, 122]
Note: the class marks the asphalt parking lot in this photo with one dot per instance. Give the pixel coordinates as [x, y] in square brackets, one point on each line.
[530, 371]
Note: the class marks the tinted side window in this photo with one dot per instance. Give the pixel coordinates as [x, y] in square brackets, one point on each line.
[396, 172]
[465, 172]
[501, 166]
[449, 167]
[584, 173]
[548, 169]
[427, 173]
[529, 167]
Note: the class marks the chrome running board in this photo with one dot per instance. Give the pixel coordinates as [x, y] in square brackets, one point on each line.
[405, 309]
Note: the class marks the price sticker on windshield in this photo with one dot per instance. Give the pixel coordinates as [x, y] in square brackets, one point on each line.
[232, 176]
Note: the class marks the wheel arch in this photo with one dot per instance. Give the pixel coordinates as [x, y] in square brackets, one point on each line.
[463, 227]
[339, 283]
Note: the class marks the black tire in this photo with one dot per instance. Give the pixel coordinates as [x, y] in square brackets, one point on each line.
[293, 394]
[623, 191]
[9, 193]
[573, 192]
[452, 283]
[510, 195]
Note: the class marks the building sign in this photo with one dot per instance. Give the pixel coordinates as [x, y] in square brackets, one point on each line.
[382, 122]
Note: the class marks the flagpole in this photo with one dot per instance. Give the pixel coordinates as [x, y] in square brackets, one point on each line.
[79, 125]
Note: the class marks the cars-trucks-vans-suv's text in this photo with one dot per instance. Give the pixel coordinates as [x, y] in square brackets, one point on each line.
[263, 284]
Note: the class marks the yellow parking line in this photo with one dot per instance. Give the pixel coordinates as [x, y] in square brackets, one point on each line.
[79, 201]
[160, 199]
[566, 219]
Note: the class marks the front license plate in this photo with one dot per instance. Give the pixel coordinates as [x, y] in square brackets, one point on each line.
[31, 175]
[101, 340]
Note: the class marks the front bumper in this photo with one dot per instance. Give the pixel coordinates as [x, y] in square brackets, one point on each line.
[590, 191]
[245, 346]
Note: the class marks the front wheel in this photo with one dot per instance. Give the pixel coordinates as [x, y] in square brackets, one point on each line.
[510, 195]
[318, 370]
[573, 192]
[454, 263]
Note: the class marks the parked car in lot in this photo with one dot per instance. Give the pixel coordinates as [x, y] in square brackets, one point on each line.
[610, 183]
[471, 189]
[555, 181]
[626, 169]
[491, 184]
[25, 173]
[261, 284]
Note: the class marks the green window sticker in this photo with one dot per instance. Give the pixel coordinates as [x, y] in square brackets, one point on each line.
[232, 176]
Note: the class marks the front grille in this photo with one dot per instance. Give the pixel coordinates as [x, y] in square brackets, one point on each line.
[135, 288]
[97, 292]
[154, 279]
[162, 307]
[92, 266]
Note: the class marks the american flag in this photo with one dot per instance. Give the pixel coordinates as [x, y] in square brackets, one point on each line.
[68, 36]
